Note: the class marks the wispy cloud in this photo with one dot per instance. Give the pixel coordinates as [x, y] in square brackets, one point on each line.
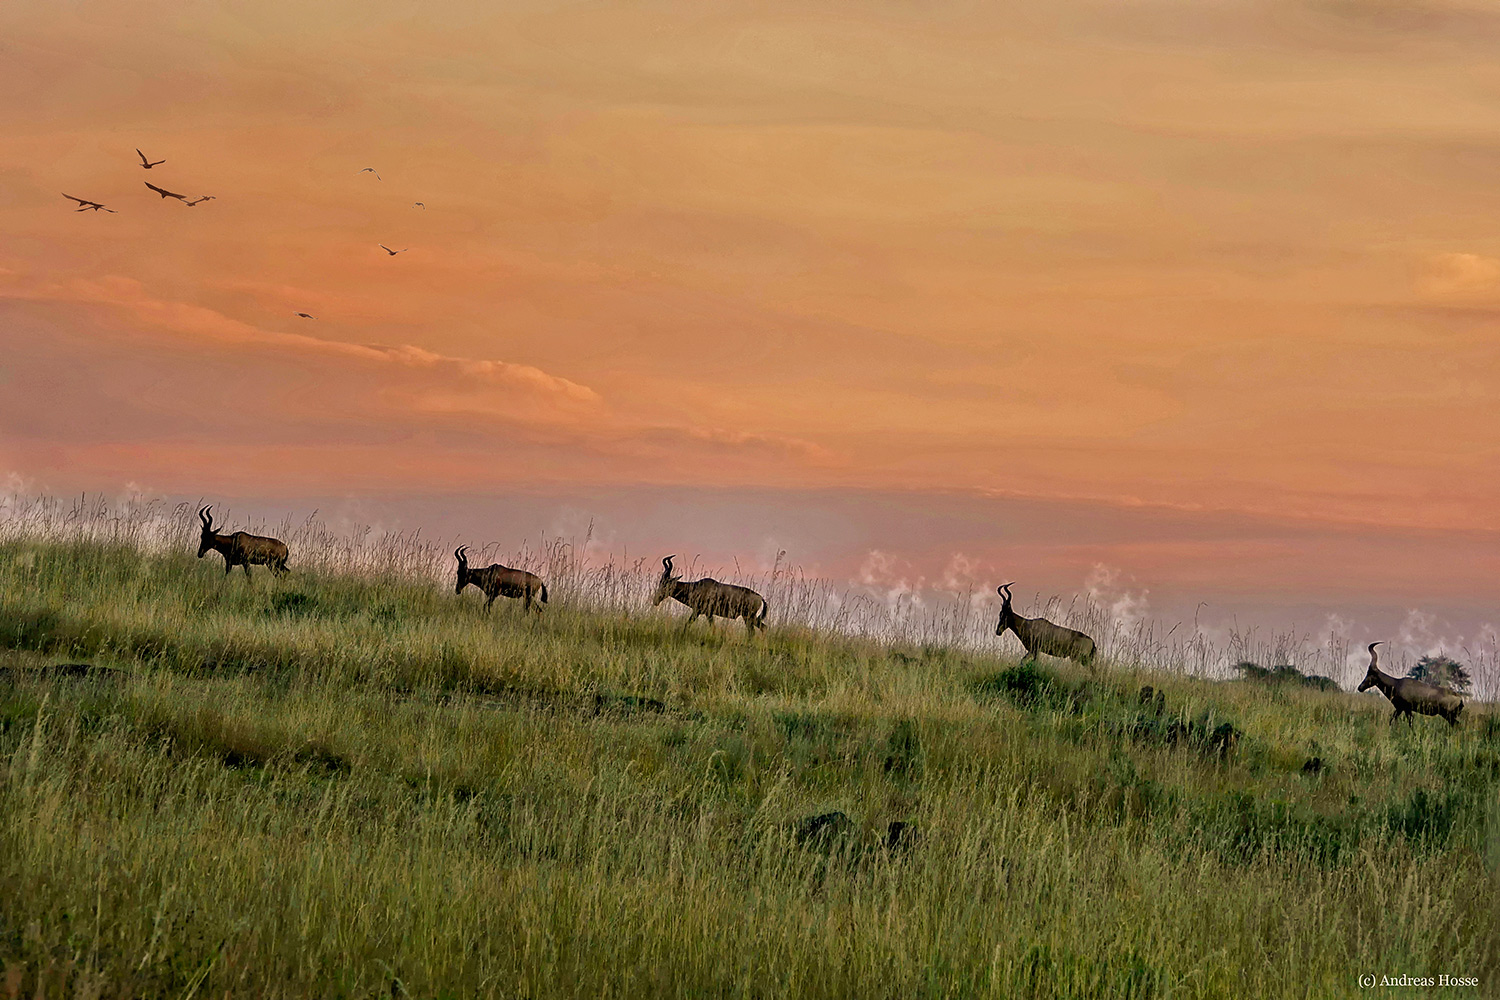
[189, 320]
[392, 391]
[1462, 276]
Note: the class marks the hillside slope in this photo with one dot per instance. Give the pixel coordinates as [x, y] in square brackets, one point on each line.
[347, 786]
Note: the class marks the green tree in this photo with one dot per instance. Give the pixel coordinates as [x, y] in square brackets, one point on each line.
[1443, 671]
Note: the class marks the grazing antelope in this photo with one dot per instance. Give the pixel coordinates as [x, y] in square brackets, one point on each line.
[241, 548]
[1410, 695]
[1039, 635]
[499, 580]
[711, 598]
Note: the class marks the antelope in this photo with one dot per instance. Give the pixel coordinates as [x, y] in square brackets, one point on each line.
[711, 598]
[1409, 695]
[1039, 635]
[241, 548]
[499, 580]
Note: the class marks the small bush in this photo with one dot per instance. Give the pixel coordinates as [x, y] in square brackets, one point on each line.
[1032, 686]
[1284, 674]
[294, 604]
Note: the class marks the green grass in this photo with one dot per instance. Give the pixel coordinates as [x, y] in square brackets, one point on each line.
[347, 786]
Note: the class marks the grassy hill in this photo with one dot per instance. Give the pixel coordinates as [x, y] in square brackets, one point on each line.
[352, 786]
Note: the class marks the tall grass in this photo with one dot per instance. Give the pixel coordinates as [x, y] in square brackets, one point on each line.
[584, 580]
[350, 782]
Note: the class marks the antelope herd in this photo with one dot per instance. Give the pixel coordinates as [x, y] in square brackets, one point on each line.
[712, 599]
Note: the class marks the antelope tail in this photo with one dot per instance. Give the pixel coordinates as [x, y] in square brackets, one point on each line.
[544, 593]
[764, 607]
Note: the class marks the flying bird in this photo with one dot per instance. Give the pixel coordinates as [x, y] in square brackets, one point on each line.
[207, 197]
[390, 251]
[84, 204]
[417, 204]
[167, 194]
[305, 315]
[371, 170]
[148, 164]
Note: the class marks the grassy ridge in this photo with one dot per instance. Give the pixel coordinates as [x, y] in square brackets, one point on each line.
[344, 786]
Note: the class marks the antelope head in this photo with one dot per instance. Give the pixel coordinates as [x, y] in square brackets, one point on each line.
[463, 569]
[1369, 680]
[206, 540]
[1006, 613]
[664, 585]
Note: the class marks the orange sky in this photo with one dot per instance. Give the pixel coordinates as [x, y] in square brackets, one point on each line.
[1223, 256]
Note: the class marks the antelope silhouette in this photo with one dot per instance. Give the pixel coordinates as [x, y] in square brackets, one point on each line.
[1039, 635]
[1408, 695]
[711, 598]
[500, 581]
[241, 548]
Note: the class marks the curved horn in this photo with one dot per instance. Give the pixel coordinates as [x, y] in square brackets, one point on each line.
[1374, 656]
[206, 517]
[1003, 589]
[459, 553]
[666, 565]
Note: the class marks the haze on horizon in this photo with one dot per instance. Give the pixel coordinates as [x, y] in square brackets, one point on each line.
[1201, 295]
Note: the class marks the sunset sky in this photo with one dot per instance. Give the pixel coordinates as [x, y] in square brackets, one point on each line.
[1199, 293]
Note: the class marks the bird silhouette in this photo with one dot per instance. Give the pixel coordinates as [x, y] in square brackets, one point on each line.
[390, 251]
[417, 204]
[167, 194]
[207, 197]
[305, 315]
[85, 205]
[371, 170]
[148, 164]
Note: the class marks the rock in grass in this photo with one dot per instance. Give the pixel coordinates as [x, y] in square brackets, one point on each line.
[1224, 739]
[901, 837]
[831, 830]
[59, 670]
[823, 830]
[1152, 700]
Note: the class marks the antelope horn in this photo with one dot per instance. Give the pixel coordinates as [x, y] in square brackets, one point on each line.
[206, 517]
[1001, 590]
[459, 553]
[666, 565]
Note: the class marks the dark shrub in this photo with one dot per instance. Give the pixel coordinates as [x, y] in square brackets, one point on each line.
[904, 751]
[1032, 686]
